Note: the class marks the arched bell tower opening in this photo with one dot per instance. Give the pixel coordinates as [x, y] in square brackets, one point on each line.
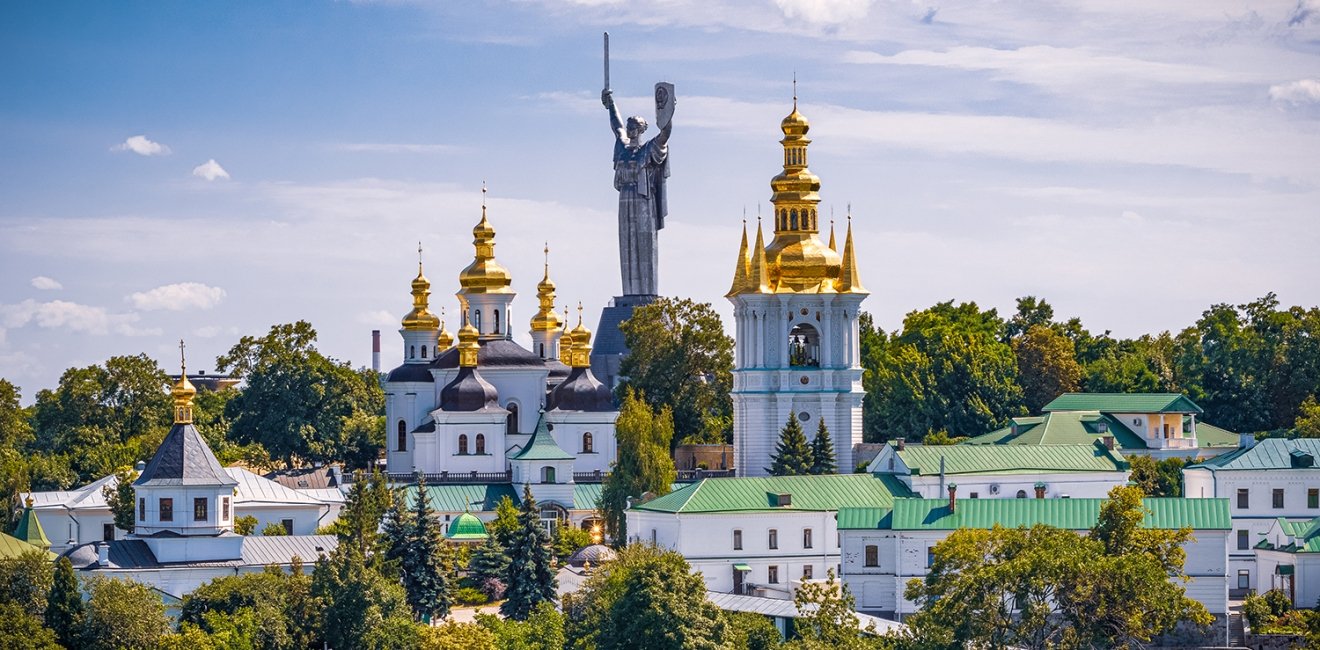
[803, 346]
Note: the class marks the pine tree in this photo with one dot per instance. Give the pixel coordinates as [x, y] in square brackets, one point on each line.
[395, 533]
[793, 455]
[425, 576]
[822, 451]
[64, 607]
[490, 560]
[506, 522]
[530, 578]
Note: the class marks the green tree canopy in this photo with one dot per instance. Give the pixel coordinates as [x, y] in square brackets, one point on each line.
[123, 615]
[680, 358]
[644, 463]
[122, 500]
[1047, 366]
[355, 600]
[531, 579]
[64, 605]
[543, 630]
[792, 455]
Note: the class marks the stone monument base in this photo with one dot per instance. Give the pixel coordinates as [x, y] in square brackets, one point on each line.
[609, 347]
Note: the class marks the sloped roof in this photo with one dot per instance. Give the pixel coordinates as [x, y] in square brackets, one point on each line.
[466, 527]
[1270, 453]
[542, 446]
[257, 551]
[1072, 514]
[480, 497]
[29, 529]
[305, 478]
[184, 458]
[755, 494]
[1087, 428]
[254, 489]
[1124, 403]
[1011, 459]
[1305, 536]
[12, 547]
[493, 353]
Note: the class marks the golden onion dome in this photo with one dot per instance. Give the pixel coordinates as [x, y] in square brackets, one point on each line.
[183, 392]
[581, 337]
[468, 346]
[545, 319]
[445, 340]
[484, 274]
[421, 318]
[800, 262]
[795, 124]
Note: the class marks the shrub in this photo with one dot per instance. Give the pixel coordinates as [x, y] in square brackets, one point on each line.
[470, 596]
[493, 588]
[1278, 601]
[1257, 612]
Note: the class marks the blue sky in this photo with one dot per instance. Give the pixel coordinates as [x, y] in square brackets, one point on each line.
[202, 171]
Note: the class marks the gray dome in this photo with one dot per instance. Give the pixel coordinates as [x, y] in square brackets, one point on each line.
[596, 554]
[468, 392]
[581, 391]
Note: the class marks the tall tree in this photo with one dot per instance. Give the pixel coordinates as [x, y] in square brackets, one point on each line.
[26, 580]
[531, 578]
[647, 593]
[123, 615]
[1047, 366]
[949, 368]
[1031, 312]
[873, 348]
[424, 574]
[680, 357]
[122, 500]
[505, 524]
[792, 455]
[490, 562]
[1307, 424]
[19, 629]
[364, 507]
[643, 465]
[15, 428]
[354, 599]
[396, 533]
[822, 451]
[64, 605]
[828, 616]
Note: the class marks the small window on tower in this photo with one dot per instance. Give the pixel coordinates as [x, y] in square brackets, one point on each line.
[423, 351]
[495, 316]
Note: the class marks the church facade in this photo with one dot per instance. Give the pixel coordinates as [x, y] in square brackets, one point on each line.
[480, 408]
[796, 303]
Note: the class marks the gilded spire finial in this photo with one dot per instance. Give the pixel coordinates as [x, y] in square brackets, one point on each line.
[580, 356]
[741, 268]
[419, 258]
[849, 280]
[795, 90]
[420, 318]
[183, 391]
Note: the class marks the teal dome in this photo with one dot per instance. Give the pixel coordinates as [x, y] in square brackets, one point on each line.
[466, 527]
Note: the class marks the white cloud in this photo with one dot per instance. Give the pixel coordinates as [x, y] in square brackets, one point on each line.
[46, 284]
[62, 314]
[392, 147]
[140, 145]
[212, 331]
[824, 11]
[379, 318]
[210, 170]
[1302, 91]
[177, 297]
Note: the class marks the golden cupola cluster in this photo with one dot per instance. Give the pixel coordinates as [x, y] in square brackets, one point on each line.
[546, 320]
[484, 274]
[183, 392]
[566, 342]
[421, 318]
[796, 260]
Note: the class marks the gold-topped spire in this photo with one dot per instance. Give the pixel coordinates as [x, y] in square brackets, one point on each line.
[741, 269]
[832, 246]
[546, 320]
[484, 274]
[849, 280]
[566, 342]
[445, 340]
[420, 318]
[467, 345]
[581, 356]
[758, 280]
[183, 391]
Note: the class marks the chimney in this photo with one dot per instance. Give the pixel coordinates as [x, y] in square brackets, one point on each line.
[902, 444]
[1109, 442]
[953, 497]
[375, 350]
[103, 554]
[1040, 490]
[1246, 440]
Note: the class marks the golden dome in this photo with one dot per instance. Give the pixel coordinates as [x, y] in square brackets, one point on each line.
[445, 340]
[795, 123]
[581, 336]
[484, 274]
[546, 320]
[468, 346]
[420, 318]
[183, 392]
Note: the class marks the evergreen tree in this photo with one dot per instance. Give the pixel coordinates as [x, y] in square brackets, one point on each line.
[64, 606]
[396, 531]
[506, 522]
[364, 507]
[531, 580]
[793, 455]
[822, 451]
[425, 575]
[490, 560]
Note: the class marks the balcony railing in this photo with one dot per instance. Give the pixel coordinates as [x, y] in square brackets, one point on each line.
[596, 476]
[448, 478]
[692, 475]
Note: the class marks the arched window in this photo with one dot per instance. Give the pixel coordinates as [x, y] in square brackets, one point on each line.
[587, 446]
[462, 444]
[540, 350]
[804, 346]
[412, 352]
[548, 474]
[1022, 494]
[495, 317]
[402, 444]
[792, 219]
[476, 319]
[423, 351]
[511, 423]
[481, 444]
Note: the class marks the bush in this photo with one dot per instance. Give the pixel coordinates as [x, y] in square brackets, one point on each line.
[470, 596]
[274, 529]
[1278, 601]
[493, 588]
[1257, 612]
[245, 525]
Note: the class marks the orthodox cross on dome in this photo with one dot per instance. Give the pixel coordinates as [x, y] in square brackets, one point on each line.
[183, 362]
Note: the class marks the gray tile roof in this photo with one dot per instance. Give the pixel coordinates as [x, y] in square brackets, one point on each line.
[184, 459]
[257, 551]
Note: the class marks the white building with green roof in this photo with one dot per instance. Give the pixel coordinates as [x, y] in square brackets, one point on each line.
[883, 547]
[1004, 471]
[1288, 559]
[759, 535]
[1263, 481]
[1160, 425]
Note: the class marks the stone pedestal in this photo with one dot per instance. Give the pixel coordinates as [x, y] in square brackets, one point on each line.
[609, 347]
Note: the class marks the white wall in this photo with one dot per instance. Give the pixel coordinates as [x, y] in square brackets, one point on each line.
[1078, 485]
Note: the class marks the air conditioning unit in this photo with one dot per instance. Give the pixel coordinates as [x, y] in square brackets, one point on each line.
[994, 488]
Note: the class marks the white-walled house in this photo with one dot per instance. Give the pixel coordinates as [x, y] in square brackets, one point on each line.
[1288, 559]
[1262, 481]
[885, 547]
[758, 535]
[1004, 472]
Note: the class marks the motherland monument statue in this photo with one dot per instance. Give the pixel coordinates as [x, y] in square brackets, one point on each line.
[641, 168]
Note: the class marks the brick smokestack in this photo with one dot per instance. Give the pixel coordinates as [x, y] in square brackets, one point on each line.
[953, 497]
[375, 350]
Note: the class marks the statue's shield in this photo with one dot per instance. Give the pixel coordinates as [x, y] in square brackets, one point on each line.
[664, 103]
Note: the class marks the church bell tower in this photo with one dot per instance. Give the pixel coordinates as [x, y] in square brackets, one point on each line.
[796, 303]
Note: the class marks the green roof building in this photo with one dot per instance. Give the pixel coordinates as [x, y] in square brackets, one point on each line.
[1288, 559]
[1005, 471]
[466, 528]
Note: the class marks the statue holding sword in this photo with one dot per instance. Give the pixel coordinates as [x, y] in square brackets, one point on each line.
[640, 170]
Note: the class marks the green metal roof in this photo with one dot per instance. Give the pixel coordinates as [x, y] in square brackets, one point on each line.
[460, 498]
[1305, 536]
[1270, 453]
[1124, 403]
[1073, 514]
[756, 494]
[12, 547]
[1063, 428]
[1011, 459]
[864, 518]
[29, 528]
[466, 527]
[542, 446]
